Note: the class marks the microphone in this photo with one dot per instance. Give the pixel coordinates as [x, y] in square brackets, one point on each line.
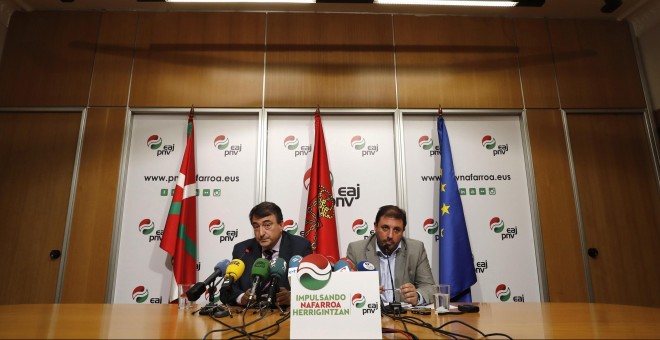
[294, 262]
[343, 266]
[260, 271]
[235, 270]
[247, 251]
[277, 272]
[198, 288]
[365, 266]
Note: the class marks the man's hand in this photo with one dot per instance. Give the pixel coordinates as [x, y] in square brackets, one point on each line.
[283, 297]
[382, 289]
[409, 293]
[245, 297]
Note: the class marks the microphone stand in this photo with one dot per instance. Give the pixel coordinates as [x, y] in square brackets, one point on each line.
[210, 307]
[396, 306]
[217, 311]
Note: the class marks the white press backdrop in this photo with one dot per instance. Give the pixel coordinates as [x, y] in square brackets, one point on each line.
[369, 154]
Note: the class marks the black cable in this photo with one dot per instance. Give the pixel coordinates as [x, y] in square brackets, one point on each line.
[484, 335]
[238, 329]
[277, 323]
[421, 323]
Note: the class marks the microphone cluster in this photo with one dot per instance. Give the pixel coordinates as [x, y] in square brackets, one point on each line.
[265, 274]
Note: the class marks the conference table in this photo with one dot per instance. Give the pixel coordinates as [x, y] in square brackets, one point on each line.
[517, 320]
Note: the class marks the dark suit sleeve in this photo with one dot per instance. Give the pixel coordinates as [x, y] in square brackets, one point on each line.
[244, 282]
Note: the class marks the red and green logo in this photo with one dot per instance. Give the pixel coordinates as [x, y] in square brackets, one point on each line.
[221, 142]
[216, 227]
[488, 142]
[502, 292]
[291, 227]
[140, 294]
[360, 227]
[358, 143]
[146, 226]
[314, 271]
[154, 142]
[425, 142]
[430, 226]
[496, 224]
[358, 300]
[291, 142]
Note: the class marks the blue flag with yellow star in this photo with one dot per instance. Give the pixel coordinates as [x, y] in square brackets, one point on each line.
[456, 262]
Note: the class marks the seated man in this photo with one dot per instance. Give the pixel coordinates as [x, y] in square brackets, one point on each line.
[269, 242]
[405, 257]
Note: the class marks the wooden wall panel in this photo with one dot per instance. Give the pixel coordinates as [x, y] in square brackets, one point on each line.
[114, 59]
[37, 154]
[537, 71]
[202, 59]
[566, 278]
[596, 64]
[48, 59]
[331, 60]
[619, 201]
[85, 274]
[457, 62]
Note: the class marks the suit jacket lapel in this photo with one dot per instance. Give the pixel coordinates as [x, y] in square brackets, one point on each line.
[401, 264]
[285, 247]
[372, 257]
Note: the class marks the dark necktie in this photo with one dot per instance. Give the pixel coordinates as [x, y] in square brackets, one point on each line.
[268, 254]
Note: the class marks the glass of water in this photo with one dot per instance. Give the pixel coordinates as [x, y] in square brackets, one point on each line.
[441, 298]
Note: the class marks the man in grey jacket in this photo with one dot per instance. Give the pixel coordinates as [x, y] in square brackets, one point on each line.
[406, 258]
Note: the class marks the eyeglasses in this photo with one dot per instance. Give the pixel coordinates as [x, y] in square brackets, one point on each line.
[266, 225]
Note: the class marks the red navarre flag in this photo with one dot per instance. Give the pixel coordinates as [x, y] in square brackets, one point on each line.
[180, 233]
[320, 222]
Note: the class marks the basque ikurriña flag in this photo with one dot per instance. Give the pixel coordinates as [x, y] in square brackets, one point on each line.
[180, 232]
[456, 262]
[320, 221]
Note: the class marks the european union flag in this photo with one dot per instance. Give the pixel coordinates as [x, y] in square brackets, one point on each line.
[456, 263]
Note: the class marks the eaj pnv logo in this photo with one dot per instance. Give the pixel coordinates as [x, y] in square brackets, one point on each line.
[291, 142]
[154, 142]
[221, 142]
[496, 224]
[216, 227]
[358, 143]
[146, 226]
[430, 226]
[358, 300]
[360, 227]
[140, 294]
[425, 142]
[489, 143]
[290, 227]
[314, 272]
[502, 292]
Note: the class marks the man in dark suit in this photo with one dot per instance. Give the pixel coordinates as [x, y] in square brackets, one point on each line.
[409, 277]
[269, 242]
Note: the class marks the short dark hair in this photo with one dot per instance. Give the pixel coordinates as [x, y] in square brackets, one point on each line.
[264, 209]
[391, 211]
